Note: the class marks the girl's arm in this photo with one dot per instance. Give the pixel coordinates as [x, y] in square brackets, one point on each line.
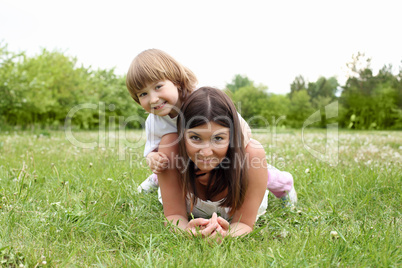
[245, 217]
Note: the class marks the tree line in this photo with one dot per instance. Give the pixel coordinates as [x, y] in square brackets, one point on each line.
[366, 101]
[39, 92]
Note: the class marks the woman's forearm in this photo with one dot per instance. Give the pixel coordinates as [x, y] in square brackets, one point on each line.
[239, 229]
[178, 221]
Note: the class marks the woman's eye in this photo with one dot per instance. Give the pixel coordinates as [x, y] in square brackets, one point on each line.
[218, 139]
[195, 138]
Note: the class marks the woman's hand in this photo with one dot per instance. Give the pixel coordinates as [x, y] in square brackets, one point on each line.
[216, 228]
[222, 230]
[201, 227]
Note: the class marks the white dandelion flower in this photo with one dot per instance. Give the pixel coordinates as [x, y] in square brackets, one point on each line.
[334, 234]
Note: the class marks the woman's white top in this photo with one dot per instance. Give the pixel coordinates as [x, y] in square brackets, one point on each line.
[204, 209]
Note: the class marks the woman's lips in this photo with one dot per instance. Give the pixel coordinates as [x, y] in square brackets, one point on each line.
[205, 161]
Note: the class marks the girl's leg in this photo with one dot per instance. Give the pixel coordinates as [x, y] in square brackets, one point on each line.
[149, 184]
[280, 183]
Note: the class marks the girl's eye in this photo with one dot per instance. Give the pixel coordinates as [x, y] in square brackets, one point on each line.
[158, 86]
[142, 94]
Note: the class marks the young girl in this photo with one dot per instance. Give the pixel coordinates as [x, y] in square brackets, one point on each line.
[160, 85]
[216, 174]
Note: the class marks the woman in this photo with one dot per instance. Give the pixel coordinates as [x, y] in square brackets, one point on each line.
[215, 174]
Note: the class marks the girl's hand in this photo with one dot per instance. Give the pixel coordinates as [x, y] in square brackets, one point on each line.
[157, 162]
[201, 227]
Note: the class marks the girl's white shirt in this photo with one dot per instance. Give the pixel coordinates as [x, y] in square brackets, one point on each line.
[204, 209]
[155, 128]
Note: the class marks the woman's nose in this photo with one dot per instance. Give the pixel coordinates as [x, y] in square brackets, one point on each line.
[206, 151]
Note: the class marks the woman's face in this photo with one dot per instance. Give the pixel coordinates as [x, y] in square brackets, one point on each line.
[207, 145]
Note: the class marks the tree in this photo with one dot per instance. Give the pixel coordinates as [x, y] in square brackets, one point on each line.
[39, 91]
[238, 82]
[276, 107]
[9, 82]
[298, 84]
[323, 88]
[371, 101]
[300, 108]
[250, 102]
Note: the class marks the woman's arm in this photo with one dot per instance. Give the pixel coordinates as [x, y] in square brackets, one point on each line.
[245, 217]
[174, 203]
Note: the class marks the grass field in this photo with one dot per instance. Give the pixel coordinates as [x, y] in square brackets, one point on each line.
[61, 205]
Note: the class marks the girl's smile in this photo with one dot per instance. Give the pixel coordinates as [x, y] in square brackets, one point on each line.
[160, 98]
[159, 106]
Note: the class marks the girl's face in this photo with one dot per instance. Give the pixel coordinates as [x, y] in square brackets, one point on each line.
[160, 98]
[207, 145]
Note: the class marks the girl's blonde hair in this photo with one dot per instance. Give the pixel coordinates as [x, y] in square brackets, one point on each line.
[155, 65]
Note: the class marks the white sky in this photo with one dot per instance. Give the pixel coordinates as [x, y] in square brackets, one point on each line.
[269, 41]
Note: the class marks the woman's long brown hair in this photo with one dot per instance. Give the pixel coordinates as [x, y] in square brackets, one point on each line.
[212, 105]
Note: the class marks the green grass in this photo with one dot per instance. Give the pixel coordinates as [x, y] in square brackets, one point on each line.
[67, 206]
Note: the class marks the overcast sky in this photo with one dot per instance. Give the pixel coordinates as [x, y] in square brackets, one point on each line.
[269, 41]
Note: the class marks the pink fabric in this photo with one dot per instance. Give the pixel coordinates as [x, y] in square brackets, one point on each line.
[154, 179]
[279, 182]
